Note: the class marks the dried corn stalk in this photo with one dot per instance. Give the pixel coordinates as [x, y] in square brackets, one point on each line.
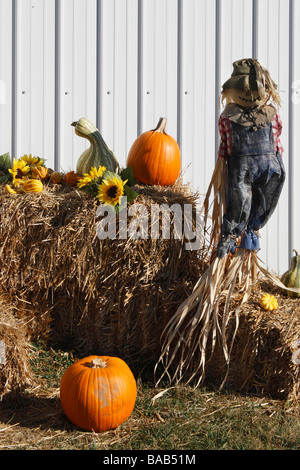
[198, 320]
[193, 330]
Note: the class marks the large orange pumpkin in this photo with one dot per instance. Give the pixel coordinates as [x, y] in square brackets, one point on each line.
[98, 393]
[155, 157]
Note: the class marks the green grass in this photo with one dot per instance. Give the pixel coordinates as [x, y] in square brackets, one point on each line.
[180, 419]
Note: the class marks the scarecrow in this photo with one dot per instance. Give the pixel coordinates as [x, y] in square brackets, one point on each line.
[250, 131]
[245, 188]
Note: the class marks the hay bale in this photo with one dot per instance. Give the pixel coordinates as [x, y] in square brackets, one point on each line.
[15, 371]
[265, 358]
[108, 296]
[115, 296]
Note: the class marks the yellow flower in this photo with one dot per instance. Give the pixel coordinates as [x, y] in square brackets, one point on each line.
[94, 173]
[19, 169]
[9, 189]
[91, 176]
[84, 181]
[31, 161]
[111, 190]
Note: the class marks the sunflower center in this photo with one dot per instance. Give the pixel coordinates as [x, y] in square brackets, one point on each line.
[20, 173]
[112, 192]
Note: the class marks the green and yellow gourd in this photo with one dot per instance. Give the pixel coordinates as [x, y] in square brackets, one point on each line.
[291, 278]
[98, 154]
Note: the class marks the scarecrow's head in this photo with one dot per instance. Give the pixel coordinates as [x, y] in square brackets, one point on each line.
[250, 85]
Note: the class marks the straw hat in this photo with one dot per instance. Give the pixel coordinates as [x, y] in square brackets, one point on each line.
[249, 75]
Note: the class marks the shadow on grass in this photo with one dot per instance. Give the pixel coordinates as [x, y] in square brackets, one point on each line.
[33, 411]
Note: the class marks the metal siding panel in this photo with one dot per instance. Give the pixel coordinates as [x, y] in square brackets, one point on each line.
[295, 160]
[118, 93]
[171, 68]
[119, 72]
[125, 111]
[187, 90]
[159, 64]
[107, 71]
[69, 144]
[48, 58]
[23, 90]
[5, 76]
[42, 79]
[283, 87]
[235, 34]
[131, 112]
[206, 84]
[241, 28]
[34, 68]
[264, 18]
[77, 70]
[272, 47]
[119, 80]
[148, 114]
[197, 92]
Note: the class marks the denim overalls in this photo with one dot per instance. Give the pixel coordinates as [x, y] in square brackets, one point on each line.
[255, 179]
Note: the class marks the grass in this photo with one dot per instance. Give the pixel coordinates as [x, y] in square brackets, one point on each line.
[180, 418]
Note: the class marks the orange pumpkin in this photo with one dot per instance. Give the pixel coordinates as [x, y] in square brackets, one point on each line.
[155, 157]
[98, 393]
[71, 178]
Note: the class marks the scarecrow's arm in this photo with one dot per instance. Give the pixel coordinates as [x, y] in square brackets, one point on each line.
[277, 130]
[225, 137]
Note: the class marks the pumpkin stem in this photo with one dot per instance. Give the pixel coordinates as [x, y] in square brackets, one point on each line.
[296, 252]
[161, 126]
[98, 362]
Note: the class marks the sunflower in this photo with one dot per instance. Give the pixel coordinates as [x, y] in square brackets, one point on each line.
[19, 169]
[111, 190]
[91, 177]
[84, 181]
[94, 173]
[32, 161]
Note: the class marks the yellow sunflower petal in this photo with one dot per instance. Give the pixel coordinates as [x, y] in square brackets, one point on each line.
[9, 189]
[30, 160]
[97, 172]
[82, 182]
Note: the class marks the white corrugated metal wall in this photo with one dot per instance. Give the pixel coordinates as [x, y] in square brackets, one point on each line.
[125, 63]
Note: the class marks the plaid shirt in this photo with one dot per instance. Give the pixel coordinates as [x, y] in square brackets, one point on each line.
[225, 130]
